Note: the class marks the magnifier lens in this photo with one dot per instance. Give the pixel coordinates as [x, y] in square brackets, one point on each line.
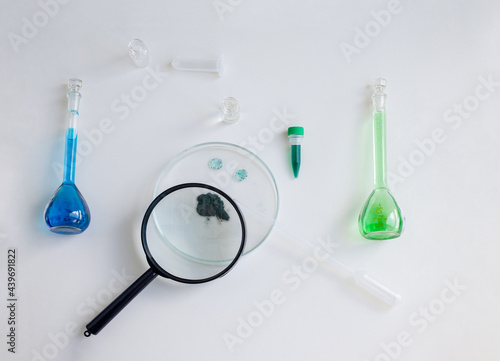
[202, 236]
[198, 233]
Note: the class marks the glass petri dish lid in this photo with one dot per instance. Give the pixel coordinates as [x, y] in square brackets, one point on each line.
[239, 173]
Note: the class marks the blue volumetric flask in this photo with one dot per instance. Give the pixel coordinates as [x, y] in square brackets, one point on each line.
[67, 211]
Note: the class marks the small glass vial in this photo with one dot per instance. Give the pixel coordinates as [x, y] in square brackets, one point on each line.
[230, 110]
[139, 53]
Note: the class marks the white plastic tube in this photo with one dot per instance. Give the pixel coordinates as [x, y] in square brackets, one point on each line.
[213, 65]
[362, 279]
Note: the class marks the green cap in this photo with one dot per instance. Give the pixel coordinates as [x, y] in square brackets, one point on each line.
[296, 131]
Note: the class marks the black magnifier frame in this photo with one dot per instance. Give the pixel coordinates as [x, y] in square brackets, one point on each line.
[103, 318]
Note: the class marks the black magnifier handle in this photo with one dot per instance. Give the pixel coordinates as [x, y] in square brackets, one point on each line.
[106, 315]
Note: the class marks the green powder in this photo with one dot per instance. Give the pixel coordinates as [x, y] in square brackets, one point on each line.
[210, 205]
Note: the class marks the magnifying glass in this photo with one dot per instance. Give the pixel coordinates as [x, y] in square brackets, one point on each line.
[197, 220]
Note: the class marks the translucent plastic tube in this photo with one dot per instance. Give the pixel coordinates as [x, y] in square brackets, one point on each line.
[362, 279]
[213, 65]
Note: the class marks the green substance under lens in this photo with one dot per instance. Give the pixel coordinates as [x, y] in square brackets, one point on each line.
[381, 218]
[210, 205]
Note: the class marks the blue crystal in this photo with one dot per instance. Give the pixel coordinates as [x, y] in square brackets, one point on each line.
[240, 175]
[215, 163]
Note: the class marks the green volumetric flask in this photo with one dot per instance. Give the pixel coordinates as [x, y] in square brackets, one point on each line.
[381, 218]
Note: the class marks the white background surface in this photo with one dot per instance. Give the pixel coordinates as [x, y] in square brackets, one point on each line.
[281, 56]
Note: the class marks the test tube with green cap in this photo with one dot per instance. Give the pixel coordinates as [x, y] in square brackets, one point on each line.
[295, 136]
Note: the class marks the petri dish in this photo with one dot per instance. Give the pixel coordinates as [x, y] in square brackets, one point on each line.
[239, 173]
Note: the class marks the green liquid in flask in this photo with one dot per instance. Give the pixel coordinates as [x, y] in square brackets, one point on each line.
[381, 218]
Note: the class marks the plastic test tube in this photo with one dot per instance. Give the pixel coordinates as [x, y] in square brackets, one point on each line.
[295, 136]
[213, 65]
[361, 278]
